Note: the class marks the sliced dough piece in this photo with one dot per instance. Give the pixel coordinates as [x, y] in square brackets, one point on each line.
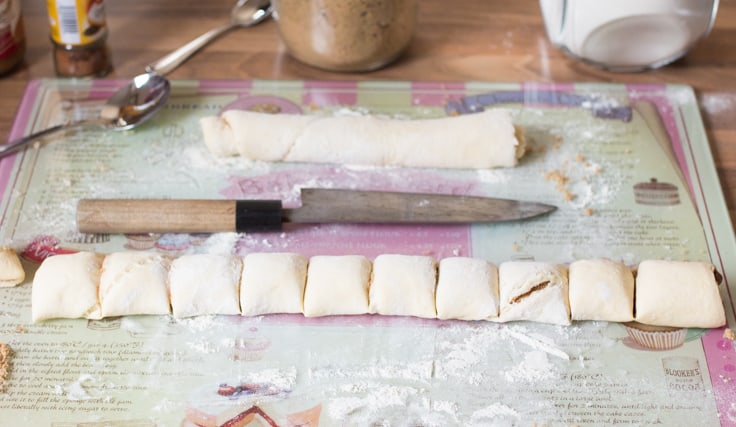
[11, 270]
[487, 139]
[272, 283]
[601, 289]
[65, 286]
[205, 284]
[678, 294]
[134, 283]
[337, 285]
[535, 291]
[403, 285]
[467, 289]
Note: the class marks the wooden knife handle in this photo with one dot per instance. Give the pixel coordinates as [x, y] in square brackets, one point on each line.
[177, 216]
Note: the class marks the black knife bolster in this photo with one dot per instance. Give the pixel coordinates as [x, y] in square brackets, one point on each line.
[258, 215]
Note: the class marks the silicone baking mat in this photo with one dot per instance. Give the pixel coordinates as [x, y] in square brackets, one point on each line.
[628, 166]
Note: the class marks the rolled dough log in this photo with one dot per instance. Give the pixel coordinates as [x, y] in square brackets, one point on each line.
[272, 283]
[65, 286]
[535, 291]
[467, 289]
[11, 270]
[205, 284]
[134, 283]
[483, 140]
[337, 285]
[403, 285]
[601, 289]
[678, 294]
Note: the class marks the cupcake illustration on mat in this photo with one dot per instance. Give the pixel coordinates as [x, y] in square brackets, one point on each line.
[250, 347]
[141, 242]
[648, 337]
[656, 193]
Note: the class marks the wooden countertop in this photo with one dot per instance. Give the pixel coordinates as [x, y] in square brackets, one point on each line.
[484, 40]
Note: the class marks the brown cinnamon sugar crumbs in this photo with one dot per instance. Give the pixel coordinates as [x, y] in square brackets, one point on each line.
[20, 329]
[568, 195]
[557, 176]
[579, 158]
[588, 211]
[729, 334]
[516, 247]
[5, 354]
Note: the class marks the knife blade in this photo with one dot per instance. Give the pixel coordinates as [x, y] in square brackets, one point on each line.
[318, 205]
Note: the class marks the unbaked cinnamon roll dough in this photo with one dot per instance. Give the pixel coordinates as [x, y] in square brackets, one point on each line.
[403, 285]
[66, 286]
[11, 270]
[483, 140]
[205, 284]
[536, 291]
[337, 285]
[272, 283]
[134, 283]
[467, 289]
[678, 294]
[88, 285]
[601, 289]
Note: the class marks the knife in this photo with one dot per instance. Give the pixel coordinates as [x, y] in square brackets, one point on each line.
[318, 205]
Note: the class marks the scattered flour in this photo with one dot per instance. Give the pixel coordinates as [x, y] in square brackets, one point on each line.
[535, 366]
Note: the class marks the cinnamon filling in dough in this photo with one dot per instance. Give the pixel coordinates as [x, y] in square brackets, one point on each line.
[526, 294]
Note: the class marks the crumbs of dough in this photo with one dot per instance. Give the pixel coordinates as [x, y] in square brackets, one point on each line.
[557, 177]
[5, 354]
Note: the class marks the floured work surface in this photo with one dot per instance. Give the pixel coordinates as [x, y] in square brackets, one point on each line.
[628, 166]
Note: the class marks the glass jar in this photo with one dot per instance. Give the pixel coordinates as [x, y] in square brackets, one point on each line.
[12, 36]
[346, 35]
[79, 37]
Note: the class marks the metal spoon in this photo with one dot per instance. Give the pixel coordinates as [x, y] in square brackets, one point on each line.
[245, 13]
[146, 93]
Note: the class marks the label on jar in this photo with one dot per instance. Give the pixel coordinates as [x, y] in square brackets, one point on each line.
[76, 22]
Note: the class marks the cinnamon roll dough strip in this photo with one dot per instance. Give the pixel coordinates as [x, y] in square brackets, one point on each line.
[482, 140]
[89, 285]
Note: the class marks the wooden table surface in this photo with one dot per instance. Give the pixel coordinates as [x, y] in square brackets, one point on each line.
[484, 40]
